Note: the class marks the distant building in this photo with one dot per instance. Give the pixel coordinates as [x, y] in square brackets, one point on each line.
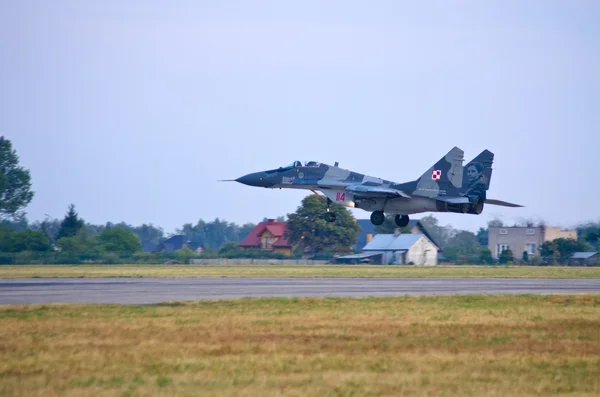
[396, 249]
[367, 231]
[177, 242]
[520, 239]
[585, 259]
[149, 246]
[268, 236]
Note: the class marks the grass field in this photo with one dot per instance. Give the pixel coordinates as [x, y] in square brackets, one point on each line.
[293, 271]
[422, 346]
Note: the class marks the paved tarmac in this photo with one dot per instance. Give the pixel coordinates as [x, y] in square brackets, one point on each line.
[156, 290]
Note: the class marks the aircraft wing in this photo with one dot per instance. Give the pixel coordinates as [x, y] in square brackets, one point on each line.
[376, 191]
[502, 203]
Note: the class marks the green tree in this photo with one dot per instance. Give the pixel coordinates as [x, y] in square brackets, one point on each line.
[495, 223]
[278, 219]
[213, 235]
[31, 240]
[118, 239]
[485, 256]
[566, 247]
[71, 224]
[441, 234]
[27, 240]
[308, 228]
[82, 242]
[482, 236]
[149, 232]
[548, 253]
[506, 256]
[245, 230]
[560, 250]
[525, 257]
[49, 227]
[195, 232]
[589, 232]
[15, 182]
[464, 247]
[184, 254]
[451, 254]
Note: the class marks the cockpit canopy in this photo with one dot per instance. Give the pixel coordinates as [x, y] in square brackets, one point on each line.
[298, 164]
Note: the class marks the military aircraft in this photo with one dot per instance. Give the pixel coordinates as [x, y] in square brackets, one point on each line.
[444, 187]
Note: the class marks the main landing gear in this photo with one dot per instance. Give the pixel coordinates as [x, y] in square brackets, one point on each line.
[329, 216]
[401, 220]
[378, 217]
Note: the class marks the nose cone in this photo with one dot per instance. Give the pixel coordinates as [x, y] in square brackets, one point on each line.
[258, 179]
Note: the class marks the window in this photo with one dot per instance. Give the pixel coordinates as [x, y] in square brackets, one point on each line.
[530, 231]
[501, 247]
[268, 243]
[531, 249]
[502, 231]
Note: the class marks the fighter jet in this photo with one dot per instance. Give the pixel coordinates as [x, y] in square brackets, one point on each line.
[443, 187]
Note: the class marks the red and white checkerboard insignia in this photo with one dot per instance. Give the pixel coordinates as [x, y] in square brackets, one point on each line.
[436, 174]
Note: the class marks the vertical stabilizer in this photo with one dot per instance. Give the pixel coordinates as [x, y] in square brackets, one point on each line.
[444, 176]
[478, 174]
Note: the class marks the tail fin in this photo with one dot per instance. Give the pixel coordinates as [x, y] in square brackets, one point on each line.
[477, 175]
[446, 174]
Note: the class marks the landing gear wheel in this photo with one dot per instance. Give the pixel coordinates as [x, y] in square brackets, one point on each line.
[330, 217]
[401, 220]
[377, 218]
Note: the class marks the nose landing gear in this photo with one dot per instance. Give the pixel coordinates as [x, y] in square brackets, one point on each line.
[329, 216]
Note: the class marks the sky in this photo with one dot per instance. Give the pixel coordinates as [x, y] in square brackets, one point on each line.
[133, 110]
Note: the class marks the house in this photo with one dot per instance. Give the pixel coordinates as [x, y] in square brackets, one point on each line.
[268, 236]
[585, 259]
[396, 249]
[519, 239]
[365, 234]
[177, 242]
[149, 246]
[368, 231]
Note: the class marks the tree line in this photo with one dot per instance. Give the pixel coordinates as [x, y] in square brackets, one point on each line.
[310, 234]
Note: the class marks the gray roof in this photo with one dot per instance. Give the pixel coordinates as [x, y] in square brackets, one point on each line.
[583, 255]
[391, 242]
[361, 255]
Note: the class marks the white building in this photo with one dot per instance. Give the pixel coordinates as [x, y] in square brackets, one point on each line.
[402, 249]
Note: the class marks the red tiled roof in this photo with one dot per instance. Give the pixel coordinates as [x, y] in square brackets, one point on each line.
[282, 242]
[277, 229]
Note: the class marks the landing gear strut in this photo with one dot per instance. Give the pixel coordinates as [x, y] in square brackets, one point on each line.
[377, 218]
[329, 216]
[401, 220]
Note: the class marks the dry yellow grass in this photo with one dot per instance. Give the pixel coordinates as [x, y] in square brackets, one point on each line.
[294, 271]
[421, 346]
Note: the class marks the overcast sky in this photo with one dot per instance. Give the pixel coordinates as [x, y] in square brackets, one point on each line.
[132, 110]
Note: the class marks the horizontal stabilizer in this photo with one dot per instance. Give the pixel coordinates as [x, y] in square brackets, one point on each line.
[376, 190]
[502, 203]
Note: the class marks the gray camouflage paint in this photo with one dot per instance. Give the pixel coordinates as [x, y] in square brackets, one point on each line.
[456, 190]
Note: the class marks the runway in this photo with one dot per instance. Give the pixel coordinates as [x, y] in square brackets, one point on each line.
[157, 290]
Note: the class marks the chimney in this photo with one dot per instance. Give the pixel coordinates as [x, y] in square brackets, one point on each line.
[396, 232]
[369, 237]
[270, 220]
